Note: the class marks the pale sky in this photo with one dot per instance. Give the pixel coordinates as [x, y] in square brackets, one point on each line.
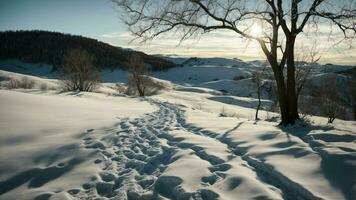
[98, 19]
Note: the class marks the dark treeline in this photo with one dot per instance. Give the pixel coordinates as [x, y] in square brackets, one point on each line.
[50, 47]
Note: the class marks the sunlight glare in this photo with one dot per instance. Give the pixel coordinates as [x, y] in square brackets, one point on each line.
[256, 30]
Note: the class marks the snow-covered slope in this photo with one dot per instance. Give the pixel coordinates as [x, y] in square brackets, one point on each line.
[41, 70]
[287, 160]
[41, 149]
[201, 74]
[188, 142]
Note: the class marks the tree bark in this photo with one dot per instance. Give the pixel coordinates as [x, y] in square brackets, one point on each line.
[282, 97]
[281, 89]
[287, 97]
[292, 98]
[139, 85]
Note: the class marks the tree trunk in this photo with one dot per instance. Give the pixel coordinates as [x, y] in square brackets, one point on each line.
[259, 100]
[287, 96]
[291, 87]
[141, 92]
[282, 99]
[140, 87]
[281, 89]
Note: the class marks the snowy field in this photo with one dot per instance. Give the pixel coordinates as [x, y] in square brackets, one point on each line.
[174, 145]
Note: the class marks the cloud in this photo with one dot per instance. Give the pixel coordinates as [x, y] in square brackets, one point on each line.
[229, 44]
[114, 35]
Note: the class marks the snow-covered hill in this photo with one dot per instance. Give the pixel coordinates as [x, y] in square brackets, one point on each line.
[228, 75]
[190, 141]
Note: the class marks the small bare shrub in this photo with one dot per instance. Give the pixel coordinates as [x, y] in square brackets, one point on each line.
[147, 86]
[78, 71]
[13, 84]
[137, 78]
[24, 83]
[43, 87]
[27, 83]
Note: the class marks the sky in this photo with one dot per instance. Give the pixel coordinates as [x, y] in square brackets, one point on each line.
[99, 19]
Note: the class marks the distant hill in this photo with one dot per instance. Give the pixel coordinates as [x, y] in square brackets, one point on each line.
[50, 47]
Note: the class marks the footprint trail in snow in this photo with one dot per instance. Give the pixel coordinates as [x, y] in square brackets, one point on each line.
[140, 158]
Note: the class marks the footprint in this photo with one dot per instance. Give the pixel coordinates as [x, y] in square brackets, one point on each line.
[146, 181]
[87, 186]
[208, 194]
[96, 145]
[107, 177]
[73, 191]
[44, 196]
[220, 167]
[211, 179]
[104, 188]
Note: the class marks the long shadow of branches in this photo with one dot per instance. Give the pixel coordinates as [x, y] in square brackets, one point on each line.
[338, 168]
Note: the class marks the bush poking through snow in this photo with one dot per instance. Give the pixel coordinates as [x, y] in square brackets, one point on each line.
[27, 83]
[138, 82]
[136, 78]
[43, 87]
[148, 85]
[78, 71]
[13, 83]
[24, 83]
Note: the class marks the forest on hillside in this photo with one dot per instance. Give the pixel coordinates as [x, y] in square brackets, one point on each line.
[50, 47]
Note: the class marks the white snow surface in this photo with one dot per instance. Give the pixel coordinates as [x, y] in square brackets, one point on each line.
[174, 145]
[41, 138]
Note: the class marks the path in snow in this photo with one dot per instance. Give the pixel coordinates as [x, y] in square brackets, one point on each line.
[138, 162]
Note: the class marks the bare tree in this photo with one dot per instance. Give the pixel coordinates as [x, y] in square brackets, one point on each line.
[137, 69]
[283, 21]
[78, 71]
[257, 78]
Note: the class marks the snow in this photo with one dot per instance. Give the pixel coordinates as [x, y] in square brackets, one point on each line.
[16, 66]
[215, 61]
[6, 76]
[200, 74]
[173, 58]
[40, 133]
[293, 160]
[174, 145]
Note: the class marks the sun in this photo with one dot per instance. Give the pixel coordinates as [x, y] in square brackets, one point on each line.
[256, 30]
